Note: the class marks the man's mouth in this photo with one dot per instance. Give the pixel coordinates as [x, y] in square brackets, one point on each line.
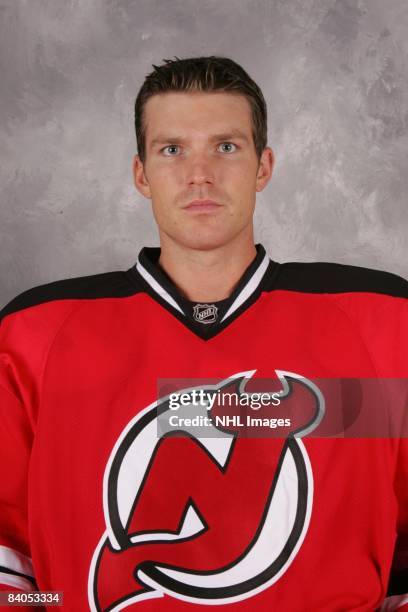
[202, 206]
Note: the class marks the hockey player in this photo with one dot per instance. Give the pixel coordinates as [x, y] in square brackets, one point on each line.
[97, 501]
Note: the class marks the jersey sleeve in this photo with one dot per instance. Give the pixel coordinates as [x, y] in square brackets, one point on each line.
[26, 336]
[397, 598]
[16, 568]
[16, 438]
[383, 324]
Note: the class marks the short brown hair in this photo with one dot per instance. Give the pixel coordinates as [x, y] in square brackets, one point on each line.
[211, 73]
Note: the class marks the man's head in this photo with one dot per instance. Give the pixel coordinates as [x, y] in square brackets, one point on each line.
[201, 129]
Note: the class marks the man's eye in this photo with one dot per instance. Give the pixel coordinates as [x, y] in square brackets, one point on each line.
[169, 148]
[228, 144]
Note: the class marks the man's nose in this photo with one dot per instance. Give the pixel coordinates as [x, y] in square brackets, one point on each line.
[200, 170]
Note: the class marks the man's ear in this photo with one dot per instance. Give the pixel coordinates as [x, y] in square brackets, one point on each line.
[265, 169]
[139, 177]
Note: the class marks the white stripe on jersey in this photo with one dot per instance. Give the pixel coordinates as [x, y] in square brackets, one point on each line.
[249, 288]
[157, 287]
[393, 603]
[15, 561]
[17, 582]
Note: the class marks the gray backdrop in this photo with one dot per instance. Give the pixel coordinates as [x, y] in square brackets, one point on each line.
[334, 74]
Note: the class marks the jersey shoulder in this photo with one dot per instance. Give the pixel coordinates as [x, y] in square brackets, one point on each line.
[119, 283]
[326, 277]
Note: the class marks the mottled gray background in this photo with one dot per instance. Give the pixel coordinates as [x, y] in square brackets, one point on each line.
[334, 74]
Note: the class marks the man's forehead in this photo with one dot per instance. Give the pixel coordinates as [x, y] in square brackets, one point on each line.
[176, 115]
[217, 98]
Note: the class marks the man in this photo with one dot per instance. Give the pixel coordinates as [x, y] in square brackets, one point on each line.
[101, 501]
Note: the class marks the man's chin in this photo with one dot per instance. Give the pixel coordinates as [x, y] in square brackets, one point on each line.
[202, 241]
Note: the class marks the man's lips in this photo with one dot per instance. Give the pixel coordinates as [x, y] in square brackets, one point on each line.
[202, 206]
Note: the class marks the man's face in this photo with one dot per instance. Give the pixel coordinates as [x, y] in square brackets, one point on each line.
[199, 146]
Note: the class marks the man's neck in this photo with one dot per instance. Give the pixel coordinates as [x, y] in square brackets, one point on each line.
[206, 275]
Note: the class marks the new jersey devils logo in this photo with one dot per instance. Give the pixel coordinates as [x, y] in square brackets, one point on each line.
[212, 520]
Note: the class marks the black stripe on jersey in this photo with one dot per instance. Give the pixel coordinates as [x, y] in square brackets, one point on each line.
[105, 285]
[316, 277]
[398, 584]
[6, 570]
[323, 277]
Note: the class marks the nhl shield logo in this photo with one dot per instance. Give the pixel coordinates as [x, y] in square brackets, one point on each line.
[205, 313]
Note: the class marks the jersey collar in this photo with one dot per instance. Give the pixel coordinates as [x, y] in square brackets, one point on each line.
[160, 286]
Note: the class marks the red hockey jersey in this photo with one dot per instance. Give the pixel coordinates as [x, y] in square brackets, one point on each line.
[97, 503]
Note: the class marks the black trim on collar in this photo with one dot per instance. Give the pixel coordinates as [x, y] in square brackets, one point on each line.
[160, 287]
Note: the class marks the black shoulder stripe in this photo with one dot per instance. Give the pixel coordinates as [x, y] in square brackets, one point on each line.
[322, 277]
[107, 284]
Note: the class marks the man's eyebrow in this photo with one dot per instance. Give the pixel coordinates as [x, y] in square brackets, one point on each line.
[231, 134]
